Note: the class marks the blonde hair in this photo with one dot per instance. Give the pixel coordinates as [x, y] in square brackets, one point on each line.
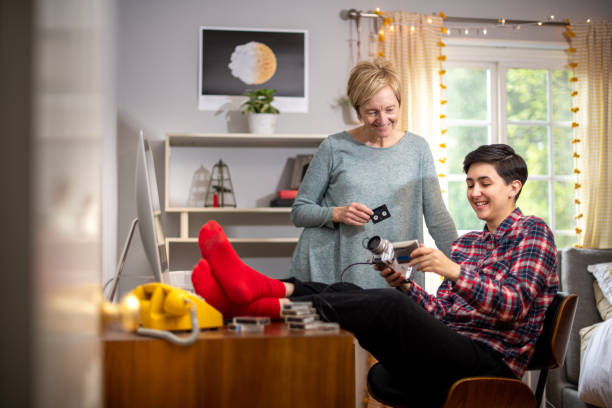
[369, 77]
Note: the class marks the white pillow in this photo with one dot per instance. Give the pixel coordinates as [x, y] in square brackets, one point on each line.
[603, 306]
[595, 382]
[585, 337]
[603, 274]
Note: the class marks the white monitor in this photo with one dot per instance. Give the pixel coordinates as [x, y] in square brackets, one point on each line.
[149, 211]
[148, 218]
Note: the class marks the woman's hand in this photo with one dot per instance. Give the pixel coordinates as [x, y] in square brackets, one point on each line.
[434, 260]
[352, 214]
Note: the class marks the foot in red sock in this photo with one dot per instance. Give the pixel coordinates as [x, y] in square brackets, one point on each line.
[241, 283]
[207, 286]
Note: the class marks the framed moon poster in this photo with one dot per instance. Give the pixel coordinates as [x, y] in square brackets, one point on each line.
[236, 60]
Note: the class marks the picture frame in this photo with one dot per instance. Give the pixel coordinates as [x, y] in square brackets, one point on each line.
[229, 59]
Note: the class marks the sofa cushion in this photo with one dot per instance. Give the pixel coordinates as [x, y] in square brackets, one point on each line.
[576, 279]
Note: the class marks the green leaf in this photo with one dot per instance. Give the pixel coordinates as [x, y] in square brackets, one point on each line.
[259, 101]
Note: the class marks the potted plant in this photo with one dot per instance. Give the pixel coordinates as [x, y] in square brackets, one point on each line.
[261, 114]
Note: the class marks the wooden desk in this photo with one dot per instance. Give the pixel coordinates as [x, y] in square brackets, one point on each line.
[279, 368]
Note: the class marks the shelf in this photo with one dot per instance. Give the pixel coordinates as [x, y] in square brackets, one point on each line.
[230, 210]
[243, 140]
[245, 247]
[239, 241]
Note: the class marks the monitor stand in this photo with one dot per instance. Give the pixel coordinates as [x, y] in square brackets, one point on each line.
[121, 263]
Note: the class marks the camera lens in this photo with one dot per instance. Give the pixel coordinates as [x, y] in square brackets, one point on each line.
[373, 243]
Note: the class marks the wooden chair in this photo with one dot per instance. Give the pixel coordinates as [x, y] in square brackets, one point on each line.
[486, 392]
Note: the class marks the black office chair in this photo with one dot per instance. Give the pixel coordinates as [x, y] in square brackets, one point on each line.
[487, 392]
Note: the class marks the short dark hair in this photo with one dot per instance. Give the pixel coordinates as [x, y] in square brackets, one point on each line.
[509, 165]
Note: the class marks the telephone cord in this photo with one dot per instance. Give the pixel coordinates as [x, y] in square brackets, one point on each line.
[173, 338]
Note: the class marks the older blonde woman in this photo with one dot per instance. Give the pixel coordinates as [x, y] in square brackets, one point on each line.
[356, 171]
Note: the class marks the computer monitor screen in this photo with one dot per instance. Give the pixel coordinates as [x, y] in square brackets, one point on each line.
[149, 211]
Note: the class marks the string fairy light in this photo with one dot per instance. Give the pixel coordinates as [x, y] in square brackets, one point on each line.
[482, 29]
[576, 142]
[389, 26]
[442, 144]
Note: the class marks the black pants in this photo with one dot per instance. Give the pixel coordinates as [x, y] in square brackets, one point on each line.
[419, 351]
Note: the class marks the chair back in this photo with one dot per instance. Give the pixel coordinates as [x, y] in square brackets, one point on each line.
[552, 344]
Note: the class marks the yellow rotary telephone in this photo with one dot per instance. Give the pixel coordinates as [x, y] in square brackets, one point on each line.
[164, 308]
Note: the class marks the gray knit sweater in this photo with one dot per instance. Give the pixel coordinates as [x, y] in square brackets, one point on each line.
[344, 170]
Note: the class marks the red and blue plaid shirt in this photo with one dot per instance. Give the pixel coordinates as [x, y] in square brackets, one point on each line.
[508, 279]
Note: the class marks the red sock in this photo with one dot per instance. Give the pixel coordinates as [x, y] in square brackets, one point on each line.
[207, 286]
[265, 307]
[241, 283]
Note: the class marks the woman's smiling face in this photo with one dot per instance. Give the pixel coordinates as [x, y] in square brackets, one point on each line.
[380, 113]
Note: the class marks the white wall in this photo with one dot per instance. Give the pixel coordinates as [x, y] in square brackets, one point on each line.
[157, 66]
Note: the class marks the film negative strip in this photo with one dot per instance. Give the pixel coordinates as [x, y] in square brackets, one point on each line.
[251, 320]
[245, 328]
[315, 326]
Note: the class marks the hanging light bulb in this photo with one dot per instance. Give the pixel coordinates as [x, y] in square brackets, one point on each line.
[429, 20]
[466, 31]
[412, 29]
[551, 18]
[540, 23]
[484, 31]
[588, 20]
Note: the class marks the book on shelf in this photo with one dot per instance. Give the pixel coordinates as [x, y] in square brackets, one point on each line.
[300, 165]
[282, 202]
[291, 193]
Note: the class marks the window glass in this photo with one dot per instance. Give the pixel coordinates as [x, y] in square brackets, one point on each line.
[564, 240]
[460, 208]
[563, 162]
[467, 93]
[526, 94]
[561, 99]
[564, 205]
[531, 142]
[534, 199]
[461, 141]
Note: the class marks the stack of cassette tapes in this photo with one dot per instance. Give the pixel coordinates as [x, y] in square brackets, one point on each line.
[248, 324]
[302, 316]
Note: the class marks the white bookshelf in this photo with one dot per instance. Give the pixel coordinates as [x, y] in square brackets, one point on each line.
[259, 157]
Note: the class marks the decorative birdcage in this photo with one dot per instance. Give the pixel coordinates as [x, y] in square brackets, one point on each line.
[220, 192]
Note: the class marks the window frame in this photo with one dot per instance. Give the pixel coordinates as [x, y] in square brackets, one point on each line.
[498, 57]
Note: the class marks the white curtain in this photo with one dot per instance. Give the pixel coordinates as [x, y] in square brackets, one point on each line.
[413, 43]
[593, 56]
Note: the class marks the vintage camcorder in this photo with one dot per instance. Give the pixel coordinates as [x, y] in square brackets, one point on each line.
[395, 255]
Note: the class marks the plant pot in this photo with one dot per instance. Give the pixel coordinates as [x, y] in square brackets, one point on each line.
[262, 123]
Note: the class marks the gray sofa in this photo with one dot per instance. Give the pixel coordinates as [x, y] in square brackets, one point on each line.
[562, 384]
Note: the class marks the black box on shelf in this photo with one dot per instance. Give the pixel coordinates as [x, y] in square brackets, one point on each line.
[282, 202]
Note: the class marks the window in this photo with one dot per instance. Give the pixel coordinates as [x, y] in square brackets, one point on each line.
[518, 96]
